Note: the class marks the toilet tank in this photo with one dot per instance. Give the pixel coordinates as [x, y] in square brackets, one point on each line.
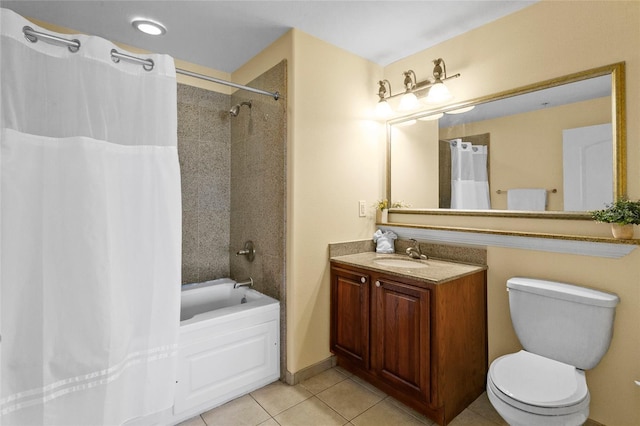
[564, 322]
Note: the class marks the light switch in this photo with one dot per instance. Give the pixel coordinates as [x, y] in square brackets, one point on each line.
[362, 208]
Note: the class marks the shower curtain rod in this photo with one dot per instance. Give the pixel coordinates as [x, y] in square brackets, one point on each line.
[74, 45]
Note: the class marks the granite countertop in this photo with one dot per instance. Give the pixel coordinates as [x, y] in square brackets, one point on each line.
[436, 271]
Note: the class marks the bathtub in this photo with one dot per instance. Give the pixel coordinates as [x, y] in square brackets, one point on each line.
[229, 345]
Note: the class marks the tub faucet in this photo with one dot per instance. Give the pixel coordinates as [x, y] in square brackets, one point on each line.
[246, 283]
[414, 252]
[249, 251]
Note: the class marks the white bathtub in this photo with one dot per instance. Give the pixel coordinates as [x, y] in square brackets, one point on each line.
[226, 348]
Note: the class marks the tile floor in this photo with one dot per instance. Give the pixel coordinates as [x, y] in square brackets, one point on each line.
[333, 397]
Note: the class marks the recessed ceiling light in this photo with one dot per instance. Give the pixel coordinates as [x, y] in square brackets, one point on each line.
[148, 26]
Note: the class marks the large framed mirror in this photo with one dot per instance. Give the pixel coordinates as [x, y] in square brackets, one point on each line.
[554, 149]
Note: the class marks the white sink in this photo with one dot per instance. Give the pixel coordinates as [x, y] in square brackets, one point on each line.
[400, 263]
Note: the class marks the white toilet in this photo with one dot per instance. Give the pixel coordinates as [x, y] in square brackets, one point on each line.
[564, 330]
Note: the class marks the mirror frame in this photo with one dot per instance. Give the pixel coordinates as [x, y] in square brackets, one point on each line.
[619, 125]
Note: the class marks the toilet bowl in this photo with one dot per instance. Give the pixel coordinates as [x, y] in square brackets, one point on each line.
[564, 330]
[528, 389]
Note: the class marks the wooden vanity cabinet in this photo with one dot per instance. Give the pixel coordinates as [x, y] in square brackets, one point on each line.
[401, 336]
[425, 344]
[350, 303]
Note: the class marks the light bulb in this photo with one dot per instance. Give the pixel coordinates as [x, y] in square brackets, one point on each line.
[408, 102]
[383, 109]
[438, 93]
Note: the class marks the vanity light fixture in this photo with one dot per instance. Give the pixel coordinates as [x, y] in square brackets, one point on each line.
[148, 26]
[437, 91]
[409, 101]
[383, 109]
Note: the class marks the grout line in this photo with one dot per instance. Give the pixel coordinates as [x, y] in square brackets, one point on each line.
[260, 405]
[390, 400]
[288, 408]
[332, 409]
[366, 410]
[272, 418]
[329, 387]
[409, 411]
[358, 384]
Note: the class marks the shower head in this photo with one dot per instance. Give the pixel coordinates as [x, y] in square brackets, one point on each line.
[235, 110]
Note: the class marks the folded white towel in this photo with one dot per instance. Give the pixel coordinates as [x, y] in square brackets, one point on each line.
[533, 199]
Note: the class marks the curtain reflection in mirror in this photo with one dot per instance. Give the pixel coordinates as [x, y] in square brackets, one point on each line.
[469, 177]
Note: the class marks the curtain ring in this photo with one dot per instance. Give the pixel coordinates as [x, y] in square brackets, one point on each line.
[149, 65]
[30, 37]
[114, 58]
[72, 48]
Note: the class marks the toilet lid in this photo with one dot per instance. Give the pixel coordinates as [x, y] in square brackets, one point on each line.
[538, 381]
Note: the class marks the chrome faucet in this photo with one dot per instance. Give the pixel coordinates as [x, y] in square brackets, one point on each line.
[246, 283]
[415, 252]
[249, 251]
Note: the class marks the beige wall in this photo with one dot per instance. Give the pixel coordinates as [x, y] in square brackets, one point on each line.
[335, 157]
[414, 162]
[335, 153]
[547, 40]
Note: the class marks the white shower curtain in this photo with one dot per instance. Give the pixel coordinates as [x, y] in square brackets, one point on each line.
[469, 177]
[90, 232]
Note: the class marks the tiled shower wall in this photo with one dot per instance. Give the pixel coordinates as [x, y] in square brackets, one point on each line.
[233, 172]
[258, 173]
[204, 140]
[233, 183]
[258, 188]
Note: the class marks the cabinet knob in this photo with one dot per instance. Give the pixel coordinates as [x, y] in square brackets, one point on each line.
[378, 284]
[363, 280]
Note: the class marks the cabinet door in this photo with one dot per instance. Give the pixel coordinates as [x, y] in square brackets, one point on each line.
[402, 337]
[350, 315]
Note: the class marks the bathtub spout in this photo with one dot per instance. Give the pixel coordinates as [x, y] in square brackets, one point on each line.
[248, 283]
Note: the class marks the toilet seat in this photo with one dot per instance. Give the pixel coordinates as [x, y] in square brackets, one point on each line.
[538, 385]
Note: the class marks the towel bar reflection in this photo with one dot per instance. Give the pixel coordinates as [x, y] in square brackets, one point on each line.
[500, 191]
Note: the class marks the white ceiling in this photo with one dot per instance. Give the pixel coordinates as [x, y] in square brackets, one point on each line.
[224, 35]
